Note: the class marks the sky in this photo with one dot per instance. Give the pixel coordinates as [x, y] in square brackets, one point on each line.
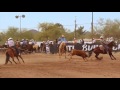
[67, 19]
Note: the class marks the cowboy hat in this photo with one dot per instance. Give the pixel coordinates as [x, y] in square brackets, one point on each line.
[10, 38]
[101, 36]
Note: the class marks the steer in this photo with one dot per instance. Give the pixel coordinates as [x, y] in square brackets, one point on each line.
[78, 53]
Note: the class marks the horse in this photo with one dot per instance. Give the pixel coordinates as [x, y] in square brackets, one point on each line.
[27, 48]
[21, 47]
[36, 47]
[17, 44]
[98, 50]
[62, 49]
[43, 47]
[10, 52]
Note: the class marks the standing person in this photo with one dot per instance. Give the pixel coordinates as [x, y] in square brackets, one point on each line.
[82, 41]
[93, 41]
[56, 41]
[59, 41]
[75, 41]
[104, 43]
[11, 44]
[17, 43]
[51, 48]
[6, 44]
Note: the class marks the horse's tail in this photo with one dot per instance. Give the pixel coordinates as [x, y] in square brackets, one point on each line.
[90, 53]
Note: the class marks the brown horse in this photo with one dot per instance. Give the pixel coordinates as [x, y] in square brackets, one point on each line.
[62, 49]
[10, 52]
[98, 50]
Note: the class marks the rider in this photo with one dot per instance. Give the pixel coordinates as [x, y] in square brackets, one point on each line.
[11, 44]
[104, 43]
[61, 39]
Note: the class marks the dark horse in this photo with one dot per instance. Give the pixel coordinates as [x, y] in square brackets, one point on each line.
[62, 49]
[10, 52]
[43, 47]
[98, 50]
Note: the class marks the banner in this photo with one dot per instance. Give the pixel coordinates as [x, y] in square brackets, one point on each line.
[87, 47]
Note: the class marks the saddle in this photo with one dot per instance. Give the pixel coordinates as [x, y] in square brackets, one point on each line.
[103, 49]
[14, 50]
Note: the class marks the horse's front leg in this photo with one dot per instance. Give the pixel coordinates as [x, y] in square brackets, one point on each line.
[111, 56]
[97, 56]
[13, 60]
[65, 54]
[18, 59]
[60, 53]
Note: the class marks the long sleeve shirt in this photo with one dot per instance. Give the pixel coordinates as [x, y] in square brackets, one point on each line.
[63, 39]
[11, 43]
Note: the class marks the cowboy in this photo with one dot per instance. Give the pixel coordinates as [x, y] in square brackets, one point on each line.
[104, 43]
[11, 44]
[63, 39]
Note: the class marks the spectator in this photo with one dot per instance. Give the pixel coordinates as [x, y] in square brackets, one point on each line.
[82, 41]
[75, 40]
[93, 41]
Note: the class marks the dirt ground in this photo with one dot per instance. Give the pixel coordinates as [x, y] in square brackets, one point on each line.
[39, 65]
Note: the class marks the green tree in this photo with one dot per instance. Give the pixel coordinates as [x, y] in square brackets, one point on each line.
[80, 32]
[51, 31]
[13, 32]
[108, 28]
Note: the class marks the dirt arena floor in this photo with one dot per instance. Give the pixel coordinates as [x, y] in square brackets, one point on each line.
[39, 65]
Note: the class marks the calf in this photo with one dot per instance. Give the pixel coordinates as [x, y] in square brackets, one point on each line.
[78, 53]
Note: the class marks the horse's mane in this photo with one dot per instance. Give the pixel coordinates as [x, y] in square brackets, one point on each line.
[62, 49]
[111, 44]
[62, 45]
[10, 49]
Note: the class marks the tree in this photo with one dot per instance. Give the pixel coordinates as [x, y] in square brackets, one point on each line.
[80, 32]
[51, 31]
[13, 32]
[108, 28]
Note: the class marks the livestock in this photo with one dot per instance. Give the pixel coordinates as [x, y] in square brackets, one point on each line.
[98, 50]
[62, 49]
[11, 52]
[78, 53]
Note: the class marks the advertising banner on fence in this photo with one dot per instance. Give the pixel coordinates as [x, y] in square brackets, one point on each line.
[87, 47]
